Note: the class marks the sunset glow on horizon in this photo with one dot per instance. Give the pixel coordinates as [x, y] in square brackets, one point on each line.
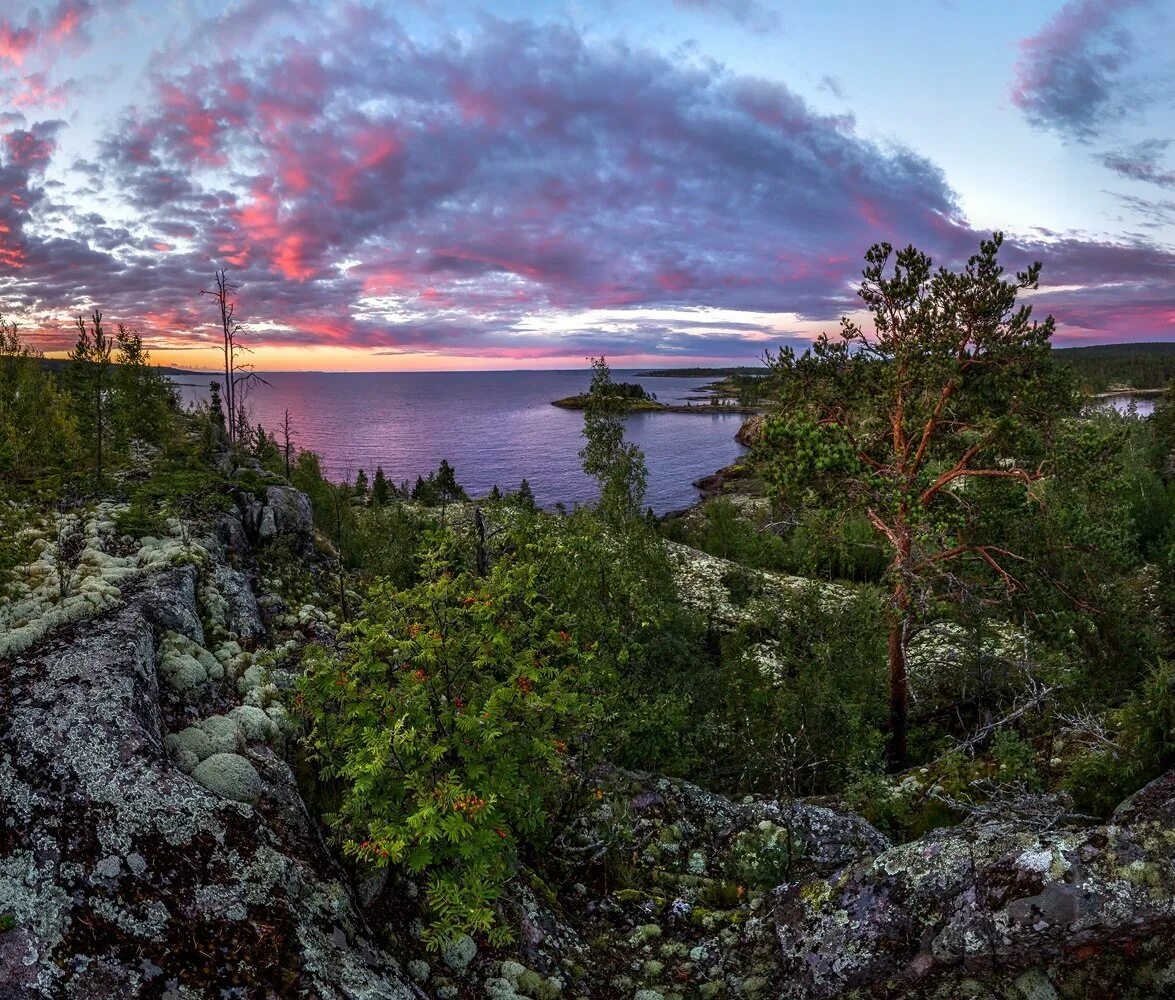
[495, 186]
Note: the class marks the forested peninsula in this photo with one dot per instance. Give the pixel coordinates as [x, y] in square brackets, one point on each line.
[890, 713]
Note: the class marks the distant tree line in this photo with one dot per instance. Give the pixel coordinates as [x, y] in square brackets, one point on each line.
[1112, 366]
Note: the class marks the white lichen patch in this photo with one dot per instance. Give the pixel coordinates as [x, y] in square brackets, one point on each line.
[1038, 860]
[185, 664]
[78, 571]
[702, 583]
[36, 904]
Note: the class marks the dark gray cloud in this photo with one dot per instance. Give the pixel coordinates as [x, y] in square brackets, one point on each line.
[1080, 72]
[1143, 162]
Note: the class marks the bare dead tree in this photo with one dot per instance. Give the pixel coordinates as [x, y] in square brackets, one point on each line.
[482, 557]
[287, 441]
[237, 374]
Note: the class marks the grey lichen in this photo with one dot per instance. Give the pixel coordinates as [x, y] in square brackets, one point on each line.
[460, 953]
[230, 776]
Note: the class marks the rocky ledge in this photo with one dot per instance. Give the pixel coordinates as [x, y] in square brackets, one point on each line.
[124, 875]
[1008, 908]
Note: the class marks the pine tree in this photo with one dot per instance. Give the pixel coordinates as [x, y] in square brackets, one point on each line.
[617, 466]
[448, 489]
[361, 483]
[216, 406]
[380, 492]
[141, 399]
[525, 497]
[38, 432]
[953, 387]
[91, 364]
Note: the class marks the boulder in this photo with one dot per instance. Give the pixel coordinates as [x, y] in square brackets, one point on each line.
[1001, 906]
[292, 514]
[120, 875]
[751, 430]
[230, 532]
[242, 616]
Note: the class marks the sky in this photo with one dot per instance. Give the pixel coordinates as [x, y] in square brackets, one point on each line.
[450, 185]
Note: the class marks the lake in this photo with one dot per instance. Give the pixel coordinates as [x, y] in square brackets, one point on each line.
[493, 427]
[1143, 406]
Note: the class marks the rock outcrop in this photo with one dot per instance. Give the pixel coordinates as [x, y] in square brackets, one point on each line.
[995, 910]
[153, 842]
[123, 876]
[751, 430]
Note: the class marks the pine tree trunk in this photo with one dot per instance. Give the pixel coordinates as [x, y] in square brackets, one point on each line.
[898, 683]
[898, 690]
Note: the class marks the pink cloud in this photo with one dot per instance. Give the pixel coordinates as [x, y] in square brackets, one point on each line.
[15, 43]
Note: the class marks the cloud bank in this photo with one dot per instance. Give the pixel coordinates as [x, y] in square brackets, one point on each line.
[518, 192]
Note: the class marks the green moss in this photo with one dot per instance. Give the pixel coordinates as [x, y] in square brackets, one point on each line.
[646, 932]
[816, 894]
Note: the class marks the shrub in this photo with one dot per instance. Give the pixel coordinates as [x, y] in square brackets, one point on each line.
[1144, 747]
[446, 722]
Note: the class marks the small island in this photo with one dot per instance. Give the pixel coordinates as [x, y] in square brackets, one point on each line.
[634, 398]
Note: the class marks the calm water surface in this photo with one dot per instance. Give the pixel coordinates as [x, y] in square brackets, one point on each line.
[1143, 406]
[493, 427]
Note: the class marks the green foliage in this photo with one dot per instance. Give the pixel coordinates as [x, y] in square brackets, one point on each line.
[1015, 759]
[1143, 747]
[381, 490]
[625, 390]
[1108, 366]
[764, 859]
[741, 585]
[525, 497]
[618, 467]
[952, 386]
[384, 542]
[38, 430]
[307, 476]
[90, 377]
[140, 520]
[141, 399]
[813, 542]
[446, 485]
[170, 491]
[440, 488]
[447, 719]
